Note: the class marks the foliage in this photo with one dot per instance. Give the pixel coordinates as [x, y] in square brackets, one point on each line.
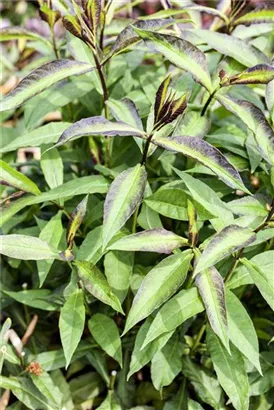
[137, 182]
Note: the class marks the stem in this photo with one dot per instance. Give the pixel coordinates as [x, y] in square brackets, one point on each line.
[198, 338]
[103, 82]
[144, 157]
[54, 46]
[208, 101]
[134, 222]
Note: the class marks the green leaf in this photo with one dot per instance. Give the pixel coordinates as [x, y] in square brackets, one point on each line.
[158, 285]
[261, 279]
[224, 243]
[230, 369]
[154, 240]
[128, 36]
[209, 200]
[51, 233]
[97, 126]
[106, 333]
[194, 405]
[249, 205]
[123, 197]
[125, 110]
[76, 220]
[241, 330]
[39, 299]
[96, 284]
[91, 247]
[167, 363]
[85, 185]
[118, 270]
[261, 384]
[47, 133]
[262, 14]
[211, 288]
[26, 392]
[181, 53]
[110, 403]
[140, 358]
[172, 203]
[26, 248]
[255, 120]
[45, 385]
[174, 312]
[52, 167]
[17, 33]
[71, 323]
[231, 46]
[259, 74]
[204, 383]
[9, 176]
[41, 79]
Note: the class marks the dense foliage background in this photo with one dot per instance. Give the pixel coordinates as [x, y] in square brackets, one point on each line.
[137, 182]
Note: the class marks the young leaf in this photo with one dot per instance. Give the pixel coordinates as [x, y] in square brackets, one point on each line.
[17, 33]
[96, 284]
[123, 197]
[105, 332]
[85, 185]
[181, 53]
[9, 176]
[97, 126]
[26, 248]
[259, 74]
[52, 167]
[262, 280]
[234, 47]
[255, 121]
[118, 270]
[157, 286]
[249, 205]
[230, 369]
[153, 240]
[211, 288]
[262, 14]
[51, 233]
[174, 312]
[71, 323]
[205, 153]
[166, 363]
[140, 358]
[75, 221]
[161, 96]
[46, 386]
[41, 79]
[228, 240]
[205, 384]
[241, 330]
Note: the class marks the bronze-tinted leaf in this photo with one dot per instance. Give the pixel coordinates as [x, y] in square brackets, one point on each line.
[262, 14]
[75, 221]
[160, 98]
[71, 23]
[259, 74]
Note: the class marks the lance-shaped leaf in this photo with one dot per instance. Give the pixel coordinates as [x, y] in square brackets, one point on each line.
[110, 402]
[9, 176]
[262, 279]
[97, 126]
[240, 50]
[17, 33]
[211, 288]
[72, 24]
[192, 223]
[75, 221]
[161, 96]
[158, 285]
[186, 304]
[123, 197]
[128, 36]
[181, 53]
[205, 153]
[93, 10]
[263, 14]
[125, 110]
[96, 284]
[241, 330]
[26, 248]
[106, 333]
[41, 79]
[85, 185]
[224, 243]
[230, 369]
[153, 240]
[255, 120]
[71, 323]
[259, 74]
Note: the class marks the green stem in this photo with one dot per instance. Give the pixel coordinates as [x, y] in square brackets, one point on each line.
[54, 46]
[198, 338]
[208, 101]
